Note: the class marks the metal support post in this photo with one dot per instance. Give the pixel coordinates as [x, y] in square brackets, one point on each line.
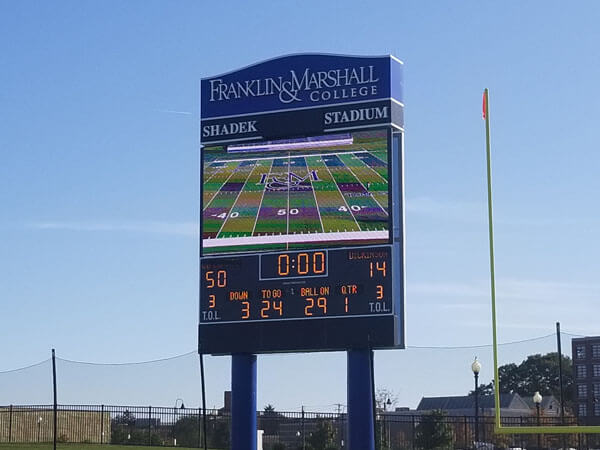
[55, 403]
[476, 407]
[303, 431]
[361, 431]
[413, 427]
[149, 425]
[539, 436]
[243, 402]
[10, 412]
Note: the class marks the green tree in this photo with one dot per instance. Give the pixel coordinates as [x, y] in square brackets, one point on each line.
[218, 433]
[122, 428]
[484, 389]
[323, 438]
[269, 409]
[382, 396]
[536, 373]
[269, 420]
[433, 431]
[187, 431]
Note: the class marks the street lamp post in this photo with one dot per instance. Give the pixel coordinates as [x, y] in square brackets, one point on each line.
[39, 424]
[387, 427]
[176, 418]
[537, 399]
[476, 368]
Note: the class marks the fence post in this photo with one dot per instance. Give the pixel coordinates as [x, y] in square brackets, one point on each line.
[465, 440]
[520, 435]
[484, 426]
[199, 426]
[55, 405]
[9, 423]
[102, 425]
[149, 425]
[412, 422]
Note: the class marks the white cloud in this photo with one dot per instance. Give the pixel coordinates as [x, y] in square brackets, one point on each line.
[173, 228]
[448, 289]
[173, 111]
[463, 211]
[512, 291]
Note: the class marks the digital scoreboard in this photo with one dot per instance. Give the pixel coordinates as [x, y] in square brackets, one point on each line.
[302, 218]
[297, 285]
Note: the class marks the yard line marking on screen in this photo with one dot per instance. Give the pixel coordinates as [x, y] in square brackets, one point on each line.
[343, 198]
[373, 170]
[287, 210]
[385, 163]
[312, 188]
[218, 190]
[228, 216]
[377, 174]
[379, 159]
[344, 170]
[262, 198]
[367, 190]
[216, 172]
[333, 219]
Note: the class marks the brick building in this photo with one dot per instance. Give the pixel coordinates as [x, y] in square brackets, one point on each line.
[586, 374]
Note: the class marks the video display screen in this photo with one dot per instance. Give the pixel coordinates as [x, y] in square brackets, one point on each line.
[312, 192]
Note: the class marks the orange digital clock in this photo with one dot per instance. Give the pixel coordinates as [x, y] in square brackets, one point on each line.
[293, 265]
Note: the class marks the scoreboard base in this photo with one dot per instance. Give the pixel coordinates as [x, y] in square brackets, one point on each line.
[286, 336]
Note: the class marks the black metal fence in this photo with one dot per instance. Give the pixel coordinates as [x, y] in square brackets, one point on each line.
[183, 427]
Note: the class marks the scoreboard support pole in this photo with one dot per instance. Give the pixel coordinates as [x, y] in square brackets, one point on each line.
[243, 402]
[361, 430]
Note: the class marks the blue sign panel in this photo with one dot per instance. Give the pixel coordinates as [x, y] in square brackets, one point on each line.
[315, 92]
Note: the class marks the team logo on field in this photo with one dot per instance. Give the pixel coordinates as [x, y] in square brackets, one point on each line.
[291, 181]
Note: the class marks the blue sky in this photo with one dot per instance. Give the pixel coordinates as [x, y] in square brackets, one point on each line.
[99, 182]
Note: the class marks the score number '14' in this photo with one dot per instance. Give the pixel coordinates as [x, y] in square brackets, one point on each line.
[375, 269]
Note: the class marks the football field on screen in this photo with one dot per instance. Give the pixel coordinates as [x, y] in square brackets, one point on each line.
[294, 199]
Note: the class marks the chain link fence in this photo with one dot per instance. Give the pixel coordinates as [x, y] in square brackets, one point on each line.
[183, 427]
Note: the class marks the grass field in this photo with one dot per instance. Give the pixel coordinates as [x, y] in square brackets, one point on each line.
[292, 199]
[48, 446]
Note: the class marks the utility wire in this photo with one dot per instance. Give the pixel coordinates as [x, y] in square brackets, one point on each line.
[168, 358]
[26, 367]
[539, 338]
[194, 352]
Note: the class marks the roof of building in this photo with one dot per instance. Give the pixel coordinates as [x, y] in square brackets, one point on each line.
[585, 339]
[548, 402]
[507, 401]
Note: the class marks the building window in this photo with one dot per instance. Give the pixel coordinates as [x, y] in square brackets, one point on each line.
[582, 390]
[596, 390]
[581, 371]
[580, 352]
[597, 370]
[582, 410]
[595, 350]
[597, 408]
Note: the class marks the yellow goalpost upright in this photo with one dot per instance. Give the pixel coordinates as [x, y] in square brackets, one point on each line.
[498, 427]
